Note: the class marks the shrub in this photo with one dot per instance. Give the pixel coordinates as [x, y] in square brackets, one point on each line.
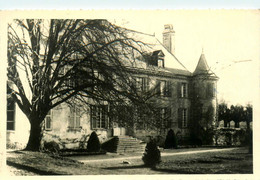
[171, 140]
[152, 155]
[51, 147]
[93, 143]
[208, 136]
[110, 145]
[194, 140]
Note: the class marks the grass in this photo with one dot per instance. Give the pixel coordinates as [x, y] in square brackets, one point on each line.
[229, 162]
[225, 162]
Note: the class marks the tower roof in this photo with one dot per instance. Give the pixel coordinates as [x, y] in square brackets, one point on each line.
[202, 67]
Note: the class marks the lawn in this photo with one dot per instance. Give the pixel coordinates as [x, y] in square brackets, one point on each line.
[224, 162]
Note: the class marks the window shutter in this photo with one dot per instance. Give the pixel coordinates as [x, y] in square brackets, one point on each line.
[48, 120]
[144, 84]
[179, 89]
[10, 113]
[189, 86]
[71, 118]
[169, 115]
[158, 88]
[169, 88]
[179, 118]
[214, 88]
[93, 116]
[211, 90]
[77, 114]
[106, 116]
[147, 84]
[188, 117]
[207, 91]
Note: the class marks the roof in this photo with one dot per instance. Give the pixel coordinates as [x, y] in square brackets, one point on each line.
[203, 68]
[155, 47]
[158, 71]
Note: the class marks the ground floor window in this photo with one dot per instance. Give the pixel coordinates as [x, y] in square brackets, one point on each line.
[74, 118]
[10, 114]
[165, 117]
[48, 121]
[182, 118]
[99, 117]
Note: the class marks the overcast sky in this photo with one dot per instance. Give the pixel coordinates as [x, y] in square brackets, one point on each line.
[227, 37]
[230, 39]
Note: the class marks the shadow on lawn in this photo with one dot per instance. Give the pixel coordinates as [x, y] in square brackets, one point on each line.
[174, 171]
[169, 171]
[126, 167]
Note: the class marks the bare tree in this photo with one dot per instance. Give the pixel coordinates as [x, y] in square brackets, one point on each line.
[55, 61]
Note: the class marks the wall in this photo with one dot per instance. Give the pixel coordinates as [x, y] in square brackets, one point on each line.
[174, 102]
[71, 138]
[199, 91]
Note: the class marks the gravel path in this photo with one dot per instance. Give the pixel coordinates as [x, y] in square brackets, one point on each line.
[81, 159]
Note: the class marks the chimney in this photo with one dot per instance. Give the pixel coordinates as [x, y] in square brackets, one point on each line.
[168, 37]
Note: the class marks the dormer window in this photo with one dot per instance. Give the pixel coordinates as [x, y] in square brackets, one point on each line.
[157, 59]
[160, 63]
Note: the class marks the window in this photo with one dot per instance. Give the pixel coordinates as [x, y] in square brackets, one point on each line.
[182, 118]
[72, 77]
[142, 84]
[74, 118]
[10, 114]
[160, 63]
[48, 121]
[99, 117]
[210, 91]
[165, 116]
[183, 91]
[164, 88]
[141, 121]
[69, 80]
[157, 59]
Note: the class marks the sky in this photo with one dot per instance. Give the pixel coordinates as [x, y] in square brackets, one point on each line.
[127, 4]
[230, 41]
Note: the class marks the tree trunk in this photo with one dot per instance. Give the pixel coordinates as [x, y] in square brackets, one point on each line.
[35, 136]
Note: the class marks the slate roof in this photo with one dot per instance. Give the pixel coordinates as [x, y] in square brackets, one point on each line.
[203, 68]
[172, 65]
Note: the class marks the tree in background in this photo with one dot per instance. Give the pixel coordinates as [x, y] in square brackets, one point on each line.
[224, 113]
[237, 113]
[249, 115]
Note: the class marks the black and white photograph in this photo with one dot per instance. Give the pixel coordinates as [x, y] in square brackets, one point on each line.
[130, 92]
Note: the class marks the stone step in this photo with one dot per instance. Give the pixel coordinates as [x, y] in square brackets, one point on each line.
[139, 146]
[129, 144]
[130, 150]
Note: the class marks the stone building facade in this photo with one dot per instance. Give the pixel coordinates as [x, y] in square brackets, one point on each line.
[182, 96]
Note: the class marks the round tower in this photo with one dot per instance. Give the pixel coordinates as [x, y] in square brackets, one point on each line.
[204, 98]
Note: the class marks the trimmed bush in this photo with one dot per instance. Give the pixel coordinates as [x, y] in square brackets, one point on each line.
[171, 140]
[152, 154]
[110, 145]
[93, 143]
